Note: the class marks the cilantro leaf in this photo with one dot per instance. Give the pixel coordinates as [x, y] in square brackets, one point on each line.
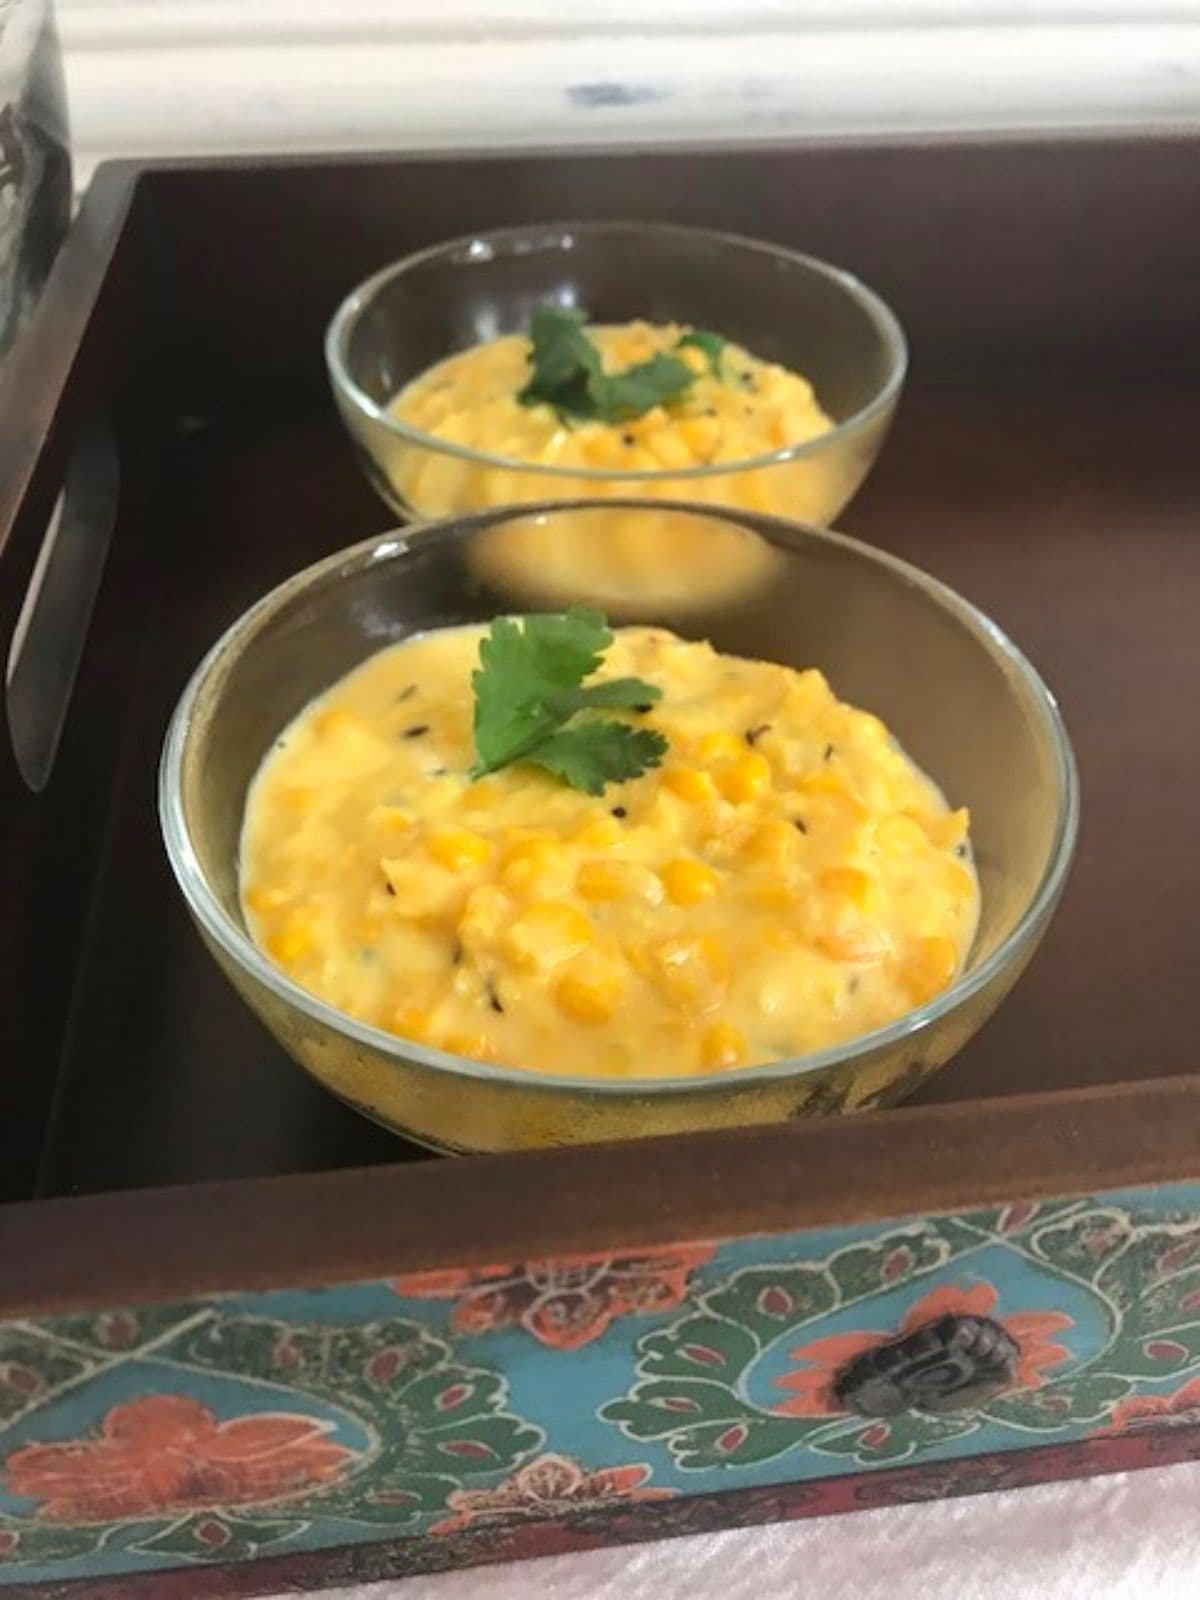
[637, 389]
[712, 346]
[521, 668]
[565, 364]
[617, 694]
[590, 754]
[566, 372]
[528, 688]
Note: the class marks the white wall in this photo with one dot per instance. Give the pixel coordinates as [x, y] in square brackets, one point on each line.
[218, 76]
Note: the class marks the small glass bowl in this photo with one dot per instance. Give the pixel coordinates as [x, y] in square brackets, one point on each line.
[783, 307]
[962, 700]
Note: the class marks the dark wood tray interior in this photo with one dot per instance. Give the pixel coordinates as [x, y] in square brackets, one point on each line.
[1054, 480]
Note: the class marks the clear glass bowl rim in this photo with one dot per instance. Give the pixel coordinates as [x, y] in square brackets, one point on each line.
[358, 299]
[237, 945]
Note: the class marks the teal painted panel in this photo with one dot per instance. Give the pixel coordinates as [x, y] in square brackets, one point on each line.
[243, 1425]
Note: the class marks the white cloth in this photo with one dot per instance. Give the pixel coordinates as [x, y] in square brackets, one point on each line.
[1130, 1536]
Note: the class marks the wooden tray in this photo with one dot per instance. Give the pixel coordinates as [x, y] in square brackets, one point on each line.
[247, 1340]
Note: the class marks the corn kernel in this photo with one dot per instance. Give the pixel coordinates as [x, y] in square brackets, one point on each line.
[668, 449]
[948, 832]
[412, 1022]
[294, 939]
[261, 898]
[390, 817]
[723, 1045]
[772, 842]
[601, 880]
[457, 849]
[899, 835]
[929, 968]
[487, 910]
[775, 895]
[599, 834]
[850, 884]
[588, 999]
[474, 1045]
[482, 795]
[863, 944]
[719, 747]
[689, 882]
[689, 784]
[548, 932]
[298, 798]
[336, 721]
[749, 777]
[701, 435]
[692, 970]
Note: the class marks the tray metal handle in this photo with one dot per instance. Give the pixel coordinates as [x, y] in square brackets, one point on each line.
[51, 626]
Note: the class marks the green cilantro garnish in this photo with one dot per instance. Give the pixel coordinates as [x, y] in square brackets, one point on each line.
[711, 345]
[567, 373]
[531, 703]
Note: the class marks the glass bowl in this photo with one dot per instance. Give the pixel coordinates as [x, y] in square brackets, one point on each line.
[783, 307]
[962, 700]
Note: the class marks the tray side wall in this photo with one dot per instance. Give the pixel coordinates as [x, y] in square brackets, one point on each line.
[533, 1404]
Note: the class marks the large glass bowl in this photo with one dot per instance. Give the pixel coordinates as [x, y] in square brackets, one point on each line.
[784, 307]
[964, 702]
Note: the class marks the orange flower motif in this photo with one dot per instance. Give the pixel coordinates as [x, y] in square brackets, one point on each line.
[550, 1487]
[823, 1359]
[169, 1453]
[1165, 1409]
[562, 1304]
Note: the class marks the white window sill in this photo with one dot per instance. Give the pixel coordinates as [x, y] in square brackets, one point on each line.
[164, 77]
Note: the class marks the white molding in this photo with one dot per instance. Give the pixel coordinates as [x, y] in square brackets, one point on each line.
[182, 77]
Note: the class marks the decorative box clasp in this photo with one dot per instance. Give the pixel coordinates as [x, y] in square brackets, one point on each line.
[951, 1364]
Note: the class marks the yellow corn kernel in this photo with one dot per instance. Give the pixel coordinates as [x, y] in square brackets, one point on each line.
[689, 784]
[723, 1046]
[390, 817]
[772, 842]
[693, 358]
[601, 880]
[481, 796]
[774, 895]
[749, 777]
[689, 882]
[550, 931]
[862, 944]
[588, 999]
[477, 1046]
[528, 859]
[298, 798]
[701, 435]
[825, 782]
[599, 834]
[412, 1022]
[457, 849]
[261, 898]
[692, 970]
[719, 747]
[948, 832]
[337, 720]
[294, 939]
[899, 835]
[929, 968]
[669, 449]
[487, 910]
[850, 884]
[960, 879]
[605, 450]
[650, 422]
